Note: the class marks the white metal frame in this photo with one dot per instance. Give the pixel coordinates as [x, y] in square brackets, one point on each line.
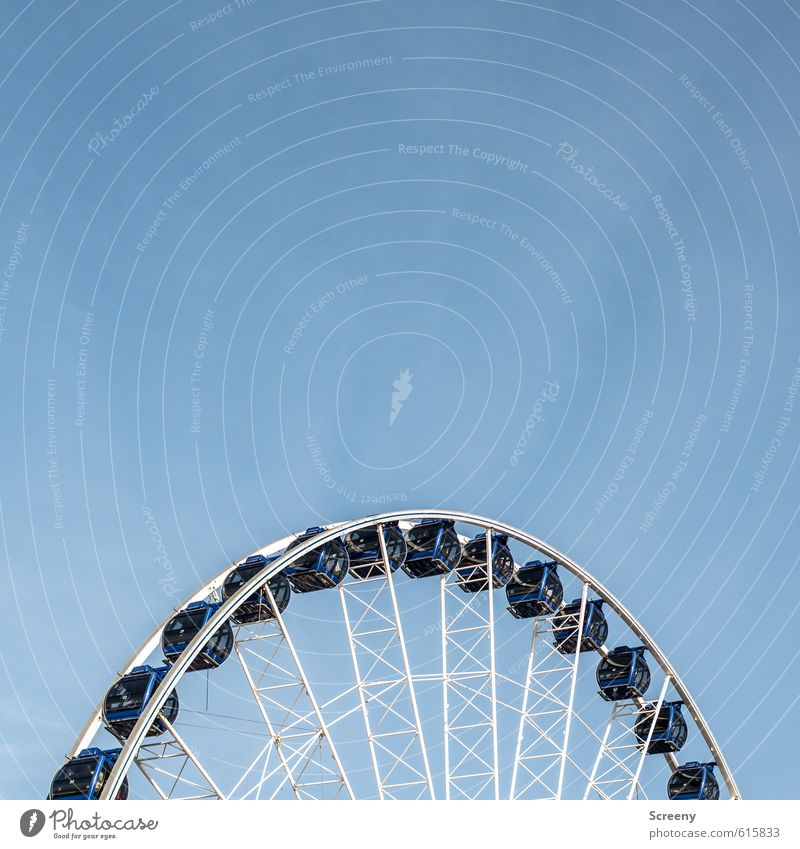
[137, 737]
[155, 758]
[297, 730]
[618, 766]
[469, 688]
[547, 710]
[385, 684]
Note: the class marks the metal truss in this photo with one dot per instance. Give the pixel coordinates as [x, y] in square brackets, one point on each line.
[469, 688]
[307, 763]
[547, 712]
[385, 685]
[617, 769]
[297, 741]
[173, 769]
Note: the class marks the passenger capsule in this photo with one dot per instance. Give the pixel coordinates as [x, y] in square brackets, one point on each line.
[433, 548]
[535, 590]
[85, 776]
[669, 731]
[693, 780]
[126, 699]
[183, 627]
[623, 674]
[364, 548]
[471, 571]
[595, 627]
[257, 607]
[321, 568]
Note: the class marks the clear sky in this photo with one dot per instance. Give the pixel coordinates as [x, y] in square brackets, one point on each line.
[564, 236]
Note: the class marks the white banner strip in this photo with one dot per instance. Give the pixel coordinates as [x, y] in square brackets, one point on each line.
[400, 825]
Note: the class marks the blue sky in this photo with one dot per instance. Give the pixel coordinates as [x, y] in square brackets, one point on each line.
[227, 231]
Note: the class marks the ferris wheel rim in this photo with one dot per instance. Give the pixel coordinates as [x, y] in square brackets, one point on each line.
[226, 610]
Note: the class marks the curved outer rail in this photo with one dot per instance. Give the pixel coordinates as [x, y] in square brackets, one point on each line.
[170, 680]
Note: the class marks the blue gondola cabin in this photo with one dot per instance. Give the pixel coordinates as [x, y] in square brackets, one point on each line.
[433, 548]
[534, 590]
[472, 571]
[84, 776]
[668, 728]
[623, 674]
[364, 549]
[693, 780]
[567, 622]
[319, 569]
[126, 699]
[184, 626]
[258, 606]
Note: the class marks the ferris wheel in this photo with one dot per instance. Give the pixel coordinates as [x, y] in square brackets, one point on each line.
[463, 659]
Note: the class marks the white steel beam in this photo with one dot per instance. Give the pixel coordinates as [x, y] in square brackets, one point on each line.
[154, 705]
